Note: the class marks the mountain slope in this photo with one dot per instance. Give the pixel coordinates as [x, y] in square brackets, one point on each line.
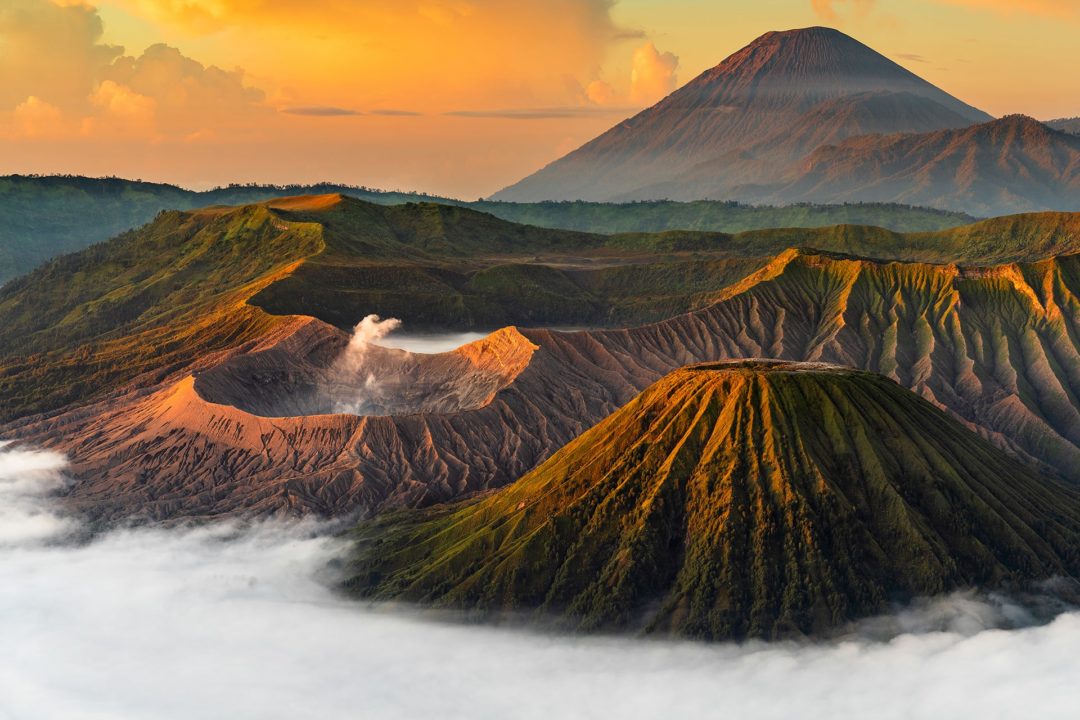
[48, 216]
[828, 122]
[753, 499]
[1010, 165]
[166, 365]
[191, 284]
[755, 99]
[238, 432]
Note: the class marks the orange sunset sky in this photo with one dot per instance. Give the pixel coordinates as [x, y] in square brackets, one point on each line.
[455, 97]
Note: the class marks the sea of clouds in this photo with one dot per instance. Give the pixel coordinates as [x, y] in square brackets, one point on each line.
[238, 621]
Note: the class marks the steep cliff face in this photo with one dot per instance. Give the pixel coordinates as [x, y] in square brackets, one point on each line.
[996, 347]
[733, 500]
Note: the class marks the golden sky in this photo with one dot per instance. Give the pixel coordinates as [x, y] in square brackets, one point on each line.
[456, 97]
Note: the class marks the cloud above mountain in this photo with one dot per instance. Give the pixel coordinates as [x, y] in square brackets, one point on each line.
[652, 76]
[249, 111]
[64, 75]
[84, 87]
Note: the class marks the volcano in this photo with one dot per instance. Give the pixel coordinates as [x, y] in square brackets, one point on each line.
[747, 120]
[732, 500]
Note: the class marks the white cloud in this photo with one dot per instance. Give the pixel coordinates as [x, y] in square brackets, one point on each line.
[57, 77]
[27, 477]
[652, 74]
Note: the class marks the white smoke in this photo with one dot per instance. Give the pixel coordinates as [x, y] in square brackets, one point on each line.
[352, 369]
[367, 332]
[237, 622]
[359, 383]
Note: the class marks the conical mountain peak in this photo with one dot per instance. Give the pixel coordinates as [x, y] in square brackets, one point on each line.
[738, 115]
[748, 498]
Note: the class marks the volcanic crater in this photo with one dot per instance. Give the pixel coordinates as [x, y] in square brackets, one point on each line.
[323, 374]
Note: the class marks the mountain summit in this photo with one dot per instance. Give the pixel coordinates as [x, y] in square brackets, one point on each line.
[740, 499]
[732, 124]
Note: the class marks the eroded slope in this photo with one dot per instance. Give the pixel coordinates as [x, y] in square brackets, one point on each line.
[733, 500]
[996, 347]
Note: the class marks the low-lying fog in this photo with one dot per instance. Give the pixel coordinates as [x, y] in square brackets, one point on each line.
[219, 622]
[428, 342]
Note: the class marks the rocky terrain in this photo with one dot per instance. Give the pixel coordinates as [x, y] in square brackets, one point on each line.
[249, 428]
[734, 500]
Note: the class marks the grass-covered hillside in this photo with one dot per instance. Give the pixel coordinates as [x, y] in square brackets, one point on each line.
[195, 282]
[47, 216]
[735, 500]
[148, 301]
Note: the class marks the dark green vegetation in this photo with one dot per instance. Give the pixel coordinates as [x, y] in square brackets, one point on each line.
[448, 267]
[47, 216]
[191, 283]
[734, 500]
[716, 216]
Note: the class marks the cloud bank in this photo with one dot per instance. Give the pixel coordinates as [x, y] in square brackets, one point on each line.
[236, 622]
[58, 79]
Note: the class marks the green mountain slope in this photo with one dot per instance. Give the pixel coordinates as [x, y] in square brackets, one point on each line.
[733, 500]
[48, 216]
[175, 292]
[191, 283]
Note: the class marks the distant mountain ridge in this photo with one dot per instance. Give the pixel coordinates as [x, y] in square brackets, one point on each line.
[1007, 165]
[740, 117]
[46, 216]
[1069, 125]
